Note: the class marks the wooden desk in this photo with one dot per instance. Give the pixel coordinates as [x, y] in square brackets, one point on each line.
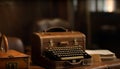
[101, 65]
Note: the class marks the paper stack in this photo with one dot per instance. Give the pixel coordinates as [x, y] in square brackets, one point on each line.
[105, 55]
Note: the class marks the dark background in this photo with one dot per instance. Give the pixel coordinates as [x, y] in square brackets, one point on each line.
[102, 29]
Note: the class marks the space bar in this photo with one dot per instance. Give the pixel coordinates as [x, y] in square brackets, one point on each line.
[70, 58]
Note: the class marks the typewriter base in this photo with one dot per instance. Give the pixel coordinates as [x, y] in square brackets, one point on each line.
[50, 64]
[66, 65]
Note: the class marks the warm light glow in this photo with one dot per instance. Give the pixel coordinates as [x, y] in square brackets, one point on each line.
[109, 6]
[101, 5]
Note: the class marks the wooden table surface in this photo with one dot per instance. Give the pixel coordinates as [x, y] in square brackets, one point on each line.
[100, 65]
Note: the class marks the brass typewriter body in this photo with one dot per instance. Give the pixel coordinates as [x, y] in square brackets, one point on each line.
[56, 50]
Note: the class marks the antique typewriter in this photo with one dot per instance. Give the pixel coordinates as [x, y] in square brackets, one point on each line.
[58, 50]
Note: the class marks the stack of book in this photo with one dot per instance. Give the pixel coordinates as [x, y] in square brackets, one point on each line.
[104, 55]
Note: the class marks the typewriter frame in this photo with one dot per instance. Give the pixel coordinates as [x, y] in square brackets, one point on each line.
[41, 41]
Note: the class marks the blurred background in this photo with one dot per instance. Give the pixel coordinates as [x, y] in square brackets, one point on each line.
[99, 20]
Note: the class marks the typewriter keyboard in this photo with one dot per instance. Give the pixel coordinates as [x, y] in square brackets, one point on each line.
[66, 53]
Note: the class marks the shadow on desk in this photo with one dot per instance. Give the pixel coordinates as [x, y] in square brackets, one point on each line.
[36, 67]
